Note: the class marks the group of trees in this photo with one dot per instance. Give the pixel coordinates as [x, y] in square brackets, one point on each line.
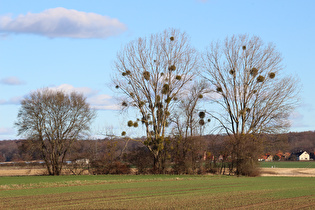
[163, 78]
[241, 76]
[200, 155]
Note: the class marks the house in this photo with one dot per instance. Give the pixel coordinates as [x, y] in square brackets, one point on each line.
[266, 157]
[278, 155]
[83, 161]
[262, 158]
[286, 155]
[269, 158]
[301, 156]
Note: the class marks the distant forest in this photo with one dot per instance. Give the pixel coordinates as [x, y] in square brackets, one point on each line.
[113, 149]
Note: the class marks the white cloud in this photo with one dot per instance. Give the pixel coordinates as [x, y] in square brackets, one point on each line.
[6, 131]
[103, 102]
[213, 96]
[69, 88]
[296, 116]
[13, 100]
[96, 100]
[296, 120]
[307, 107]
[11, 81]
[61, 22]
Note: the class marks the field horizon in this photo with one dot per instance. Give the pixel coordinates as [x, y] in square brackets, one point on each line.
[274, 168]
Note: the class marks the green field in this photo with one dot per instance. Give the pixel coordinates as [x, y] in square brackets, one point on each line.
[156, 192]
[288, 164]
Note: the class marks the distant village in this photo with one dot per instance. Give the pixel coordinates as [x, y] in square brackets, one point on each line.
[287, 156]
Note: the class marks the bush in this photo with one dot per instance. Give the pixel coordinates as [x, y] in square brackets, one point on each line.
[117, 167]
[276, 158]
[141, 158]
[249, 167]
[181, 167]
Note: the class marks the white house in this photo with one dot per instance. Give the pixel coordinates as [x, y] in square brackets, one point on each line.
[303, 156]
[83, 161]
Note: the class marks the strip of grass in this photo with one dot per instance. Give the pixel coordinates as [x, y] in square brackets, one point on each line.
[156, 192]
[62, 179]
[288, 164]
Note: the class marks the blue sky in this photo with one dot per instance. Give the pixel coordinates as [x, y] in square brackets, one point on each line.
[72, 45]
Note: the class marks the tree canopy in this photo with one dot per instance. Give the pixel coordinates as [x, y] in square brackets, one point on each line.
[151, 75]
[54, 120]
[251, 90]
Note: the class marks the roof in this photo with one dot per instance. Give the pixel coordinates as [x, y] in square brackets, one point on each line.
[298, 153]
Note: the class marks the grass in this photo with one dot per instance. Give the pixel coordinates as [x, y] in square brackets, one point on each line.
[288, 164]
[156, 192]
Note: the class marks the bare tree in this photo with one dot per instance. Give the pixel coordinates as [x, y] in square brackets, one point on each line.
[187, 121]
[54, 120]
[187, 125]
[253, 95]
[151, 74]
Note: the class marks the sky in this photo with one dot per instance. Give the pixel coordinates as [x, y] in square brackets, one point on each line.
[71, 45]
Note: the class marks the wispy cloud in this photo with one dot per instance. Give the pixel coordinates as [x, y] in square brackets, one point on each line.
[103, 102]
[307, 106]
[6, 131]
[296, 120]
[62, 22]
[69, 88]
[11, 81]
[96, 100]
[11, 101]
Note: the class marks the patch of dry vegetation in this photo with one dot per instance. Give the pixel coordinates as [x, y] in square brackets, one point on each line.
[8, 171]
[295, 172]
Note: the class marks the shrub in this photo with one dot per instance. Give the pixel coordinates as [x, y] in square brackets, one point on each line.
[103, 167]
[141, 158]
[248, 167]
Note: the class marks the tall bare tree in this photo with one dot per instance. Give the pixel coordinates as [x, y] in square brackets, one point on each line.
[255, 98]
[54, 120]
[151, 75]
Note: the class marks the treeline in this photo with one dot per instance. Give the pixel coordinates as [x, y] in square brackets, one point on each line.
[183, 154]
[169, 85]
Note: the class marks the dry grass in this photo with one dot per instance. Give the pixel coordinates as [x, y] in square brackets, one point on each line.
[33, 171]
[7, 171]
[294, 172]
